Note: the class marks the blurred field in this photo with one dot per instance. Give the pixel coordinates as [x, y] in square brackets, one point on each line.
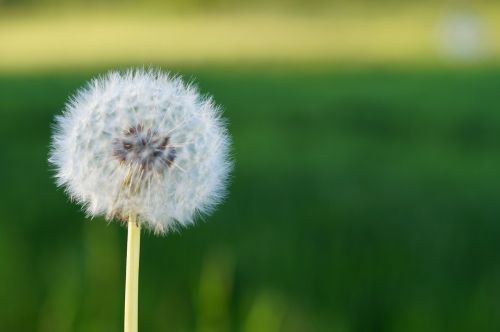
[362, 200]
[400, 34]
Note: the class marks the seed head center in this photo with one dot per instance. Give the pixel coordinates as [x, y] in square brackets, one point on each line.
[146, 149]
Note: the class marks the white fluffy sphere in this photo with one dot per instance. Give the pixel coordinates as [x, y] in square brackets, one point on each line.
[143, 143]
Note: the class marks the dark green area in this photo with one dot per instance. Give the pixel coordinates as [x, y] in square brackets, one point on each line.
[362, 200]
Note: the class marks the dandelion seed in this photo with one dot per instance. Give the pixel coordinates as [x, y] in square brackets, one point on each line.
[124, 128]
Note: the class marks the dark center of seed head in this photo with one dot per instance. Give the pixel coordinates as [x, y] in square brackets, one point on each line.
[144, 148]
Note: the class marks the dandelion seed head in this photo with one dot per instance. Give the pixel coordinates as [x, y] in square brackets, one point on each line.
[142, 142]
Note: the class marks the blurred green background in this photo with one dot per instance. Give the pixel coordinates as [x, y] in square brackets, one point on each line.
[366, 190]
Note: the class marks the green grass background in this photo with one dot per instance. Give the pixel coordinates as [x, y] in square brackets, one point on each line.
[363, 199]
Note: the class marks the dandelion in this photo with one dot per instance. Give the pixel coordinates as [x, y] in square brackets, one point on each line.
[145, 149]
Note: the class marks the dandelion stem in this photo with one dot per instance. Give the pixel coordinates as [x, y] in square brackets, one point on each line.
[132, 274]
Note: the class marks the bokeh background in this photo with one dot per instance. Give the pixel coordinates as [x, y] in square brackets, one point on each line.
[367, 183]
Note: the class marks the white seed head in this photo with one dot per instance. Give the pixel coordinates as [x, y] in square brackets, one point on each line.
[144, 143]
